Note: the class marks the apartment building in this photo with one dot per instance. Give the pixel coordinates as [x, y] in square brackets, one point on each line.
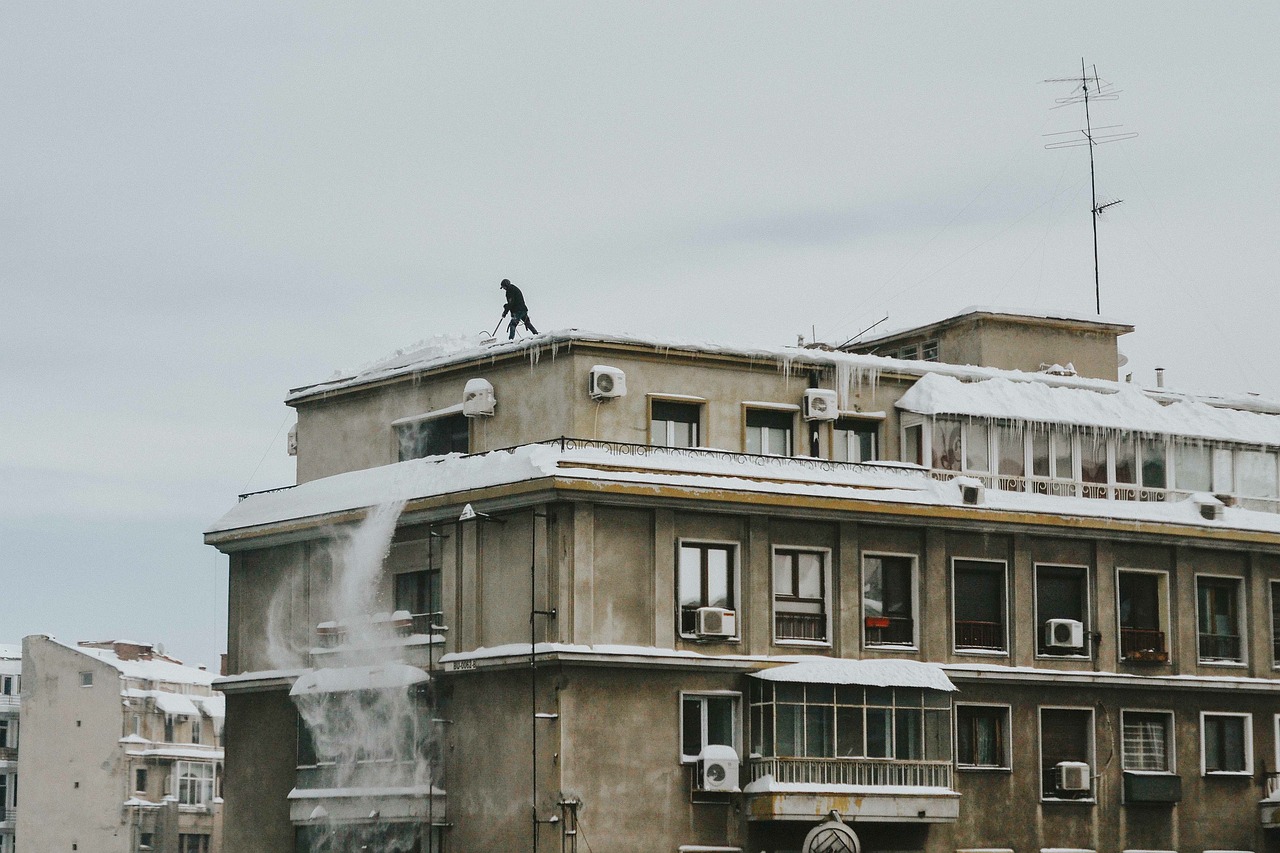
[956, 588]
[10, 704]
[121, 750]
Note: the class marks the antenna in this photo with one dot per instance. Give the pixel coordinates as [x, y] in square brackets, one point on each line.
[1089, 88]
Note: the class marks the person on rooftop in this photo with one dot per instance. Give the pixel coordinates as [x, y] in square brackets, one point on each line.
[516, 308]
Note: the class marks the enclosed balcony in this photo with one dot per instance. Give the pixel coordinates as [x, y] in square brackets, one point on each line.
[871, 739]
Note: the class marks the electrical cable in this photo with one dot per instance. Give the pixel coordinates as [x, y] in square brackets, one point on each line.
[245, 488]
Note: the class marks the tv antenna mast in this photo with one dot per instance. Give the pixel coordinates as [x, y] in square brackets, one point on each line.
[1089, 87]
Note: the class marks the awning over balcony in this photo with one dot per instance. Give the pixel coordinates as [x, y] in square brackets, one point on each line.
[868, 673]
[388, 676]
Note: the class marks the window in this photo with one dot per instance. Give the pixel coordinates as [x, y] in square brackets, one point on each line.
[193, 843]
[800, 584]
[978, 602]
[196, 730]
[146, 840]
[982, 737]
[308, 755]
[855, 440]
[1218, 616]
[432, 436]
[929, 351]
[1226, 743]
[910, 352]
[850, 721]
[1062, 593]
[769, 431]
[913, 444]
[195, 782]
[674, 424]
[1012, 450]
[977, 447]
[86, 679]
[1147, 741]
[1141, 614]
[9, 685]
[888, 600]
[418, 593]
[947, 446]
[8, 734]
[706, 720]
[168, 728]
[1192, 467]
[140, 779]
[1066, 738]
[1275, 625]
[706, 580]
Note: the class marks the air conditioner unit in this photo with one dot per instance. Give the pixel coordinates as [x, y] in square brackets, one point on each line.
[716, 622]
[820, 405]
[607, 383]
[1063, 634]
[718, 768]
[1072, 775]
[477, 399]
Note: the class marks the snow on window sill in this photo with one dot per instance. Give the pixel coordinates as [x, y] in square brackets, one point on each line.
[819, 644]
[986, 653]
[892, 647]
[983, 768]
[1087, 801]
[1222, 662]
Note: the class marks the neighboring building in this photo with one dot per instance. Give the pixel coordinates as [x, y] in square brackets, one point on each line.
[10, 703]
[968, 607]
[121, 750]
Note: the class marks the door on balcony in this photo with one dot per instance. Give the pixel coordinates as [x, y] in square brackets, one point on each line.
[979, 605]
[1141, 614]
[888, 600]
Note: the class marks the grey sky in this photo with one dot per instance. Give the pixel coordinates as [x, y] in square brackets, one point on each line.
[207, 204]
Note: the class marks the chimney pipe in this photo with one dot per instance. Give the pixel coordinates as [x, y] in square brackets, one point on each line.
[1159, 377]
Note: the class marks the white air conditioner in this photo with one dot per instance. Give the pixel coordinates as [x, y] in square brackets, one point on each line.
[820, 405]
[716, 622]
[1072, 775]
[1063, 634]
[718, 768]
[607, 383]
[477, 399]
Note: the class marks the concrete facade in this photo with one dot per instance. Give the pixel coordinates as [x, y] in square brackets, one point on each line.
[121, 744]
[10, 706]
[1112, 647]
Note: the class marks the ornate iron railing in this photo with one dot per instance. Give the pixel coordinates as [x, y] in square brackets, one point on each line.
[853, 771]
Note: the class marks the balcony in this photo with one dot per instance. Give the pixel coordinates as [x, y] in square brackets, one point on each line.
[890, 631]
[988, 636]
[10, 700]
[800, 626]
[783, 788]
[1143, 645]
[396, 790]
[8, 815]
[8, 753]
[1220, 647]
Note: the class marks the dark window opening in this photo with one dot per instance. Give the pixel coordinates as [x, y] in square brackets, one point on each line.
[1066, 736]
[982, 736]
[887, 608]
[674, 424]
[769, 431]
[1061, 593]
[1142, 636]
[979, 598]
[433, 437]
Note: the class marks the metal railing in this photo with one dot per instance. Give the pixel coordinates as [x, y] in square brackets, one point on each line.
[980, 635]
[8, 753]
[1220, 647]
[890, 631]
[9, 700]
[852, 771]
[1143, 644]
[8, 814]
[800, 626]
[363, 774]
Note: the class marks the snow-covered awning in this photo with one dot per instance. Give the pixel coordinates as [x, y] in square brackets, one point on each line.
[175, 704]
[214, 707]
[348, 678]
[1127, 408]
[868, 673]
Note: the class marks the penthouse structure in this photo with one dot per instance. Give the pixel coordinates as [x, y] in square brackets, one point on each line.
[961, 587]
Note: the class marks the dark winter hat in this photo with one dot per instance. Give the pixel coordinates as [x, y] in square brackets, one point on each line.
[506, 282]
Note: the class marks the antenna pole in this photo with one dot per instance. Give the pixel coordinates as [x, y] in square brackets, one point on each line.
[1093, 189]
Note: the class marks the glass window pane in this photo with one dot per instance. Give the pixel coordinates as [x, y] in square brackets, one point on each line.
[1192, 470]
[690, 576]
[849, 732]
[1093, 458]
[880, 696]
[782, 574]
[1153, 462]
[1063, 455]
[790, 730]
[1039, 453]
[1255, 474]
[819, 694]
[911, 444]
[1126, 450]
[691, 720]
[977, 449]
[848, 694]
[872, 587]
[788, 692]
[718, 578]
[818, 720]
[879, 732]
[720, 720]
[1012, 451]
[755, 442]
[810, 575]
[908, 735]
[946, 444]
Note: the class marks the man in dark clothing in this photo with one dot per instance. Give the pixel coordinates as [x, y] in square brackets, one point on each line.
[516, 308]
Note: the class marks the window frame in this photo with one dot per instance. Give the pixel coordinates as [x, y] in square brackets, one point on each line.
[914, 646]
[698, 404]
[1247, 738]
[1242, 621]
[86, 678]
[788, 409]
[735, 696]
[1170, 742]
[1273, 588]
[825, 601]
[397, 442]
[734, 582]
[1006, 745]
[1092, 760]
[1087, 612]
[191, 781]
[433, 594]
[1162, 601]
[966, 650]
[871, 426]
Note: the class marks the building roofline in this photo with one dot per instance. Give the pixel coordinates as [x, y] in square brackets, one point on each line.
[1059, 319]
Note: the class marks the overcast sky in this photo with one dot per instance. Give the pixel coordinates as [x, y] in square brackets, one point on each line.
[205, 204]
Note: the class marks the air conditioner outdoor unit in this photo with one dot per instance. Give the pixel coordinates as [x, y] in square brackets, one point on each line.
[820, 405]
[607, 383]
[718, 768]
[477, 399]
[1063, 634]
[1072, 775]
[716, 622]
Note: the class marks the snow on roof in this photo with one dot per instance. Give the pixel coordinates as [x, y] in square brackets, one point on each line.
[173, 704]
[206, 753]
[1125, 407]
[869, 673]
[214, 707]
[150, 670]
[1048, 314]
[385, 676]
[10, 651]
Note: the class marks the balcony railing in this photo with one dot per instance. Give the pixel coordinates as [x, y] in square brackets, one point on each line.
[1220, 647]
[399, 624]
[800, 626]
[1143, 645]
[8, 753]
[980, 635]
[8, 814]
[363, 774]
[853, 771]
[10, 700]
[890, 631]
